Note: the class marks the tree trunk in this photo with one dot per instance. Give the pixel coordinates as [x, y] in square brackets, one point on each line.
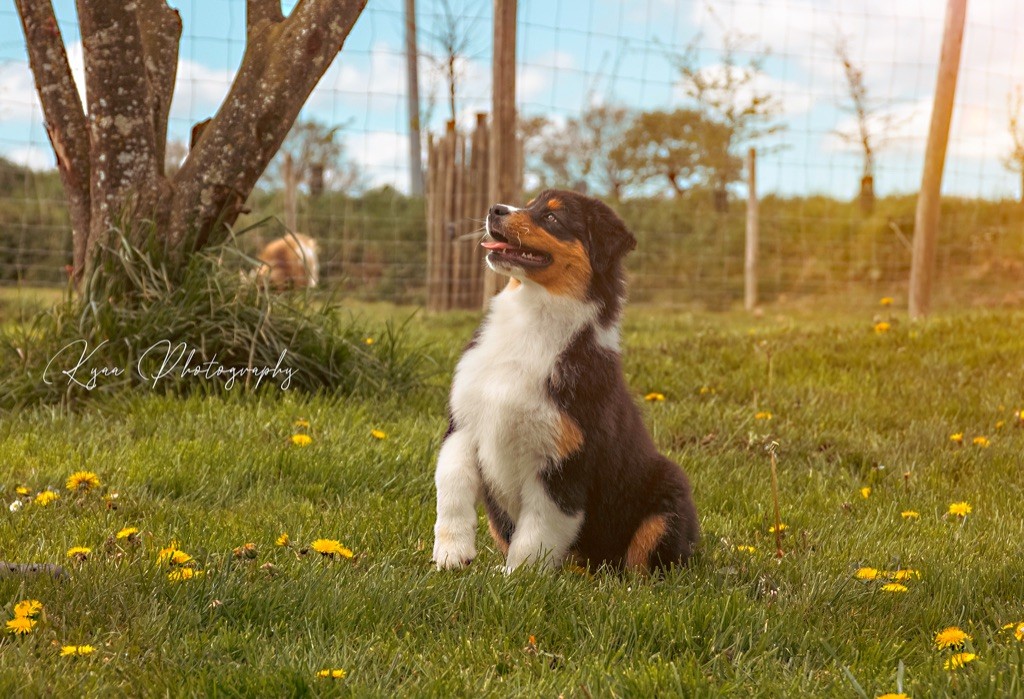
[65, 120]
[867, 194]
[721, 196]
[674, 183]
[112, 163]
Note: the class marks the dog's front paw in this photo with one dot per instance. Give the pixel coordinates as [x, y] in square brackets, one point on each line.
[453, 552]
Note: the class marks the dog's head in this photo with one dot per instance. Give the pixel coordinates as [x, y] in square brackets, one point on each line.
[569, 244]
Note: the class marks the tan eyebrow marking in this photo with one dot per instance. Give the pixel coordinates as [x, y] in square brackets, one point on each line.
[554, 204]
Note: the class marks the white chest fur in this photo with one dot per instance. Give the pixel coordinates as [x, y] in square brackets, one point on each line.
[500, 397]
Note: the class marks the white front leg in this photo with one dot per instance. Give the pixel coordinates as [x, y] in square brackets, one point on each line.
[458, 487]
[543, 532]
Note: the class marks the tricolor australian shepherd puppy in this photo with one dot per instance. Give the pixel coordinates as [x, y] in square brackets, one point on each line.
[543, 429]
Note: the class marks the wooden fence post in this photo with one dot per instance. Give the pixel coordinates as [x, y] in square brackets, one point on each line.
[753, 233]
[504, 155]
[926, 219]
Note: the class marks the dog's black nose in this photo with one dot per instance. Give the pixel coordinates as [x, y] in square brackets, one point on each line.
[499, 210]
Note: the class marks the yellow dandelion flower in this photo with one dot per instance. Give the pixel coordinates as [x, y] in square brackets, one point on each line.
[22, 490]
[882, 327]
[282, 540]
[957, 437]
[782, 527]
[45, 498]
[904, 574]
[893, 695]
[28, 608]
[301, 440]
[82, 480]
[20, 625]
[885, 301]
[745, 549]
[865, 492]
[334, 674]
[652, 397]
[763, 415]
[894, 587]
[173, 555]
[369, 340]
[330, 548]
[866, 574]
[951, 637]
[301, 423]
[705, 390]
[378, 434]
[180, 558]
[127, 533]
[1018, 629]
[79, 552]
[181, 574]
[960, 509]
[959, 660]
[76, 650]
[981, 442]
[1000, 424]
[910, 514]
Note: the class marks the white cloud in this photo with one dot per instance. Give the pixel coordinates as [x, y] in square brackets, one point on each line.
[382, 156]
[18, 99]
[32, 157]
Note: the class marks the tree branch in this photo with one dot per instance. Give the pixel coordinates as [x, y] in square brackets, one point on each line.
[62, 108]
[281, 66]
[257, 12]
[160, 30]
[122, 137]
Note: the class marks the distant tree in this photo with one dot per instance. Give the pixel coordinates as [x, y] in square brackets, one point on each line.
[311, 158]
[1014, 162]
[111, 150]
[581, 153]
[873, 126]
[453, 37]
[729, 93]
[679, 148]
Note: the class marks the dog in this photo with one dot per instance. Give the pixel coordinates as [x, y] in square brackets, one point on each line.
[542, 427]
[290, 262]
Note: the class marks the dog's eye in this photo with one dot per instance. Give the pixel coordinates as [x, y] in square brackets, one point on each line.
[551, 217]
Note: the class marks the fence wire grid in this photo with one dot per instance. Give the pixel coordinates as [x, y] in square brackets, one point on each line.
[587, 75]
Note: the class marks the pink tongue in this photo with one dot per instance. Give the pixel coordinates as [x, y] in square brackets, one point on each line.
[495, 245]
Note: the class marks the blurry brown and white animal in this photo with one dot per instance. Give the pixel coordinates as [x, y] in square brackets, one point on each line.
[290, 262]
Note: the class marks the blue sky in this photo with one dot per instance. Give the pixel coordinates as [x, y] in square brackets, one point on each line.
[572, 53]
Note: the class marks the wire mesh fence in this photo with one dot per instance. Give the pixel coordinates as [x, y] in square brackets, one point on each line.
[648, 105]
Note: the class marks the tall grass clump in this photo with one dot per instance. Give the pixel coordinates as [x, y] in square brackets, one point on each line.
[127, 328]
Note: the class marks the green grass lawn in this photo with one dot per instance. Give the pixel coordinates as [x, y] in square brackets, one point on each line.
[851, 408]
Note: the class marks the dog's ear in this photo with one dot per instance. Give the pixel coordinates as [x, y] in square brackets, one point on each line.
[610, 239]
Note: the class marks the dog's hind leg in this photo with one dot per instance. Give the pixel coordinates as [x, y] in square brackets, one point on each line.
[543, 531]
[458, 488]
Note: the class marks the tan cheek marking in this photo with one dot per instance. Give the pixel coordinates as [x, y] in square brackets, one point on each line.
[569, 437]
[498, 541]
[569, 273]
[645, 540]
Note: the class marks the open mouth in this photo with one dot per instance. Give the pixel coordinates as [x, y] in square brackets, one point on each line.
[513, 255]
